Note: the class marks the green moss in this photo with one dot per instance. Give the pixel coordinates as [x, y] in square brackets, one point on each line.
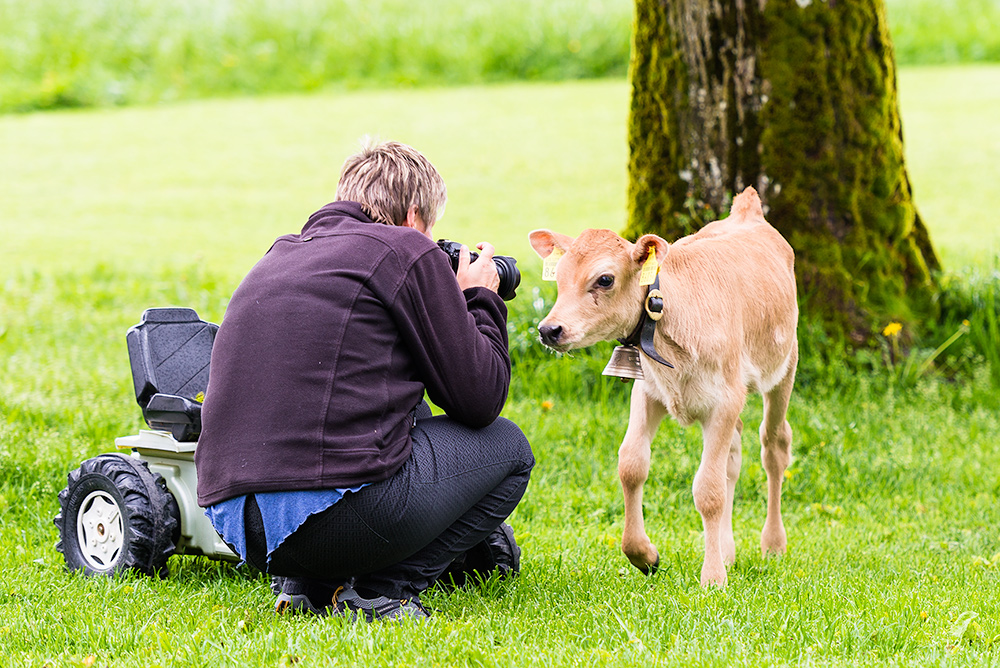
[658, 91]
[815, 129]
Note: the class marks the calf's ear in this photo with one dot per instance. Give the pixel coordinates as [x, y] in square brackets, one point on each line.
[545, 241]
[641, 249]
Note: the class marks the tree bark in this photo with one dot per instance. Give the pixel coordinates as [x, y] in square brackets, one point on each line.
[798, 99]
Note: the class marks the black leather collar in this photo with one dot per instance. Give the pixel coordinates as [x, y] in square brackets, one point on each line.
[646, 328]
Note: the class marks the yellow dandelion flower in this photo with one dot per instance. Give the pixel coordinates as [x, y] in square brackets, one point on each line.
[547, 405]
[892, 329]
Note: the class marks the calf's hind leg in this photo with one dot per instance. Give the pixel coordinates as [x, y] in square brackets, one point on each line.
[776, 454]
[733, 464]
[645, 414]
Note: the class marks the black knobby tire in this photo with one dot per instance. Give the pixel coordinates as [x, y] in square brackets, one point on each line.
[115, 515]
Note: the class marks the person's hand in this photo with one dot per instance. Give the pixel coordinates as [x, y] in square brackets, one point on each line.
[482, 272]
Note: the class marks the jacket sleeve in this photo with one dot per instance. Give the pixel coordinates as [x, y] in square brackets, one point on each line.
[458, 340]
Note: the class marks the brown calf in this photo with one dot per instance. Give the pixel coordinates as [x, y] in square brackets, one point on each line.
[728, 325]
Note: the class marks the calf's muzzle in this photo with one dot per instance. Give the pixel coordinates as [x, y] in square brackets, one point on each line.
[550, 334]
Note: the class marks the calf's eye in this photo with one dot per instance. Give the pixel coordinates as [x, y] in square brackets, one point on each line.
[605, 281]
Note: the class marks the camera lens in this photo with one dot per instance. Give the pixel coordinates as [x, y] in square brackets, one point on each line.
[507, 271]
[509, 275]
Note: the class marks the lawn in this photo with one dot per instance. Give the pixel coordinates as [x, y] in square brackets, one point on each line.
[214, 182]
[80, 53]
[891, 505]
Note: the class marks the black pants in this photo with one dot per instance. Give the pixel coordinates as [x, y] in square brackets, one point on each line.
[395, 537]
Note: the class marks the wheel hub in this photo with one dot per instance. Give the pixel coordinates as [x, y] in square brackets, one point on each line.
[100, 530]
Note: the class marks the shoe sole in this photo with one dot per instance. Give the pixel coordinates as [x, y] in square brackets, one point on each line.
[292, 603]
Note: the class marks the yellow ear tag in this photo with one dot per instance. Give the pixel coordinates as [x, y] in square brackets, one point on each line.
[549, 264]
[649, 268]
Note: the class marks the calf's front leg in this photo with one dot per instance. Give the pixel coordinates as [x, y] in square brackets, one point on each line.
[712, 495]
[645, 414]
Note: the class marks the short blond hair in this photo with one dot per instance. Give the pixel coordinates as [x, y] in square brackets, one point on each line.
[387, 178]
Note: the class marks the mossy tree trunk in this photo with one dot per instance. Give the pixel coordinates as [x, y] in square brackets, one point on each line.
[798, 99]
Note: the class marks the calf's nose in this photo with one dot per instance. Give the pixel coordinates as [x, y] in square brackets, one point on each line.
[550, 334]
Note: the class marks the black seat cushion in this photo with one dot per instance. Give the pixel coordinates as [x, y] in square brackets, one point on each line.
[169, 351]
[178, 415]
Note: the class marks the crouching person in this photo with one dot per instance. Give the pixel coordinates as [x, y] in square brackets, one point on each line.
[318, 461]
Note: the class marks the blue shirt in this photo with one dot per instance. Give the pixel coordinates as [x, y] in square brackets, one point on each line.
[281, 512]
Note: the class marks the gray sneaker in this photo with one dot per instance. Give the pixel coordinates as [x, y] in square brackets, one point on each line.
[303, 595]
[349, 603]
[321, 599]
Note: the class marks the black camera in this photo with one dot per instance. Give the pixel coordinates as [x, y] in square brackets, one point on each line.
[507, 269]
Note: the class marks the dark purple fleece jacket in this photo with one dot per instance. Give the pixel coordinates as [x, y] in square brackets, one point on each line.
[328, 344]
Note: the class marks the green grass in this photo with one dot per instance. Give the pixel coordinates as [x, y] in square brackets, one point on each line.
[80, 53]
[68, 53]
[890, 506]
[952, 143]
[891, 503]
[934, 32]
[216, 181]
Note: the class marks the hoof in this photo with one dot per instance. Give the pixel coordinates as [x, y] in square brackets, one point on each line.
[714, 576]
[773, 540]
[714, 581]
[774, 549]
[651, 568]
[729, 555]
[647, 563]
